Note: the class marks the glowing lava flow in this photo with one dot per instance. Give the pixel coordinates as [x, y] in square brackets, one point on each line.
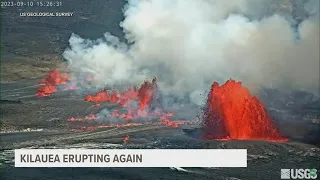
[48, 85]
[88, 118]
[55, 77]
[164, 117]
[126, 139]
[122, 98]
[232, 113]
[46, 90]
[144, 95]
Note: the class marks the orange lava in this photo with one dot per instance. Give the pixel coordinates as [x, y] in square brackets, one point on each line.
[100, 96]
[47, 90]
[113, 96]
[88, 118]
[126, 139]
[48, 85]
[131, 114]
[233, 113]
[144, 95]
[167, 122]
[126, 116]
[55, 77]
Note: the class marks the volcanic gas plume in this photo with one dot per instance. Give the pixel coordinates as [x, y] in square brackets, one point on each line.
[233, 113]
[188, 43]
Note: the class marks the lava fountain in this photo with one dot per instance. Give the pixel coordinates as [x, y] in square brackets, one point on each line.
[233, 113]
[50, 83]
[144, 95]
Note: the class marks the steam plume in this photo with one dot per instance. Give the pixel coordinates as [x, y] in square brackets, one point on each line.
[187, 44]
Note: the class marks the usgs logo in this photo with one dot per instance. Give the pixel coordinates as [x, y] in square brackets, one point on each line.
[298, 173]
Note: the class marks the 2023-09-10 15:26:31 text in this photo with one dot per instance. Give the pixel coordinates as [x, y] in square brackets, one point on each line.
[31, 3]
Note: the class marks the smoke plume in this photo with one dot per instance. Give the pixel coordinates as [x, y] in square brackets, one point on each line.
[188, 44]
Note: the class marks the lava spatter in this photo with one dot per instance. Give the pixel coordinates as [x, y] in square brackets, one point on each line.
[48, 85]
[233, 113]
[46, 90]
[146, 94]
[126, 139]
[101, 96]
[55, 77]
[143, 95]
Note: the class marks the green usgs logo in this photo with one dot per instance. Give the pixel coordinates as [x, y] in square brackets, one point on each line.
[298, 173]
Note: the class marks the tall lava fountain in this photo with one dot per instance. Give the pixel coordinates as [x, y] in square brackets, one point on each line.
[233, 113]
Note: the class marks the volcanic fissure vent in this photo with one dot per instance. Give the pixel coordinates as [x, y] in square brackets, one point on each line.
[232, 112]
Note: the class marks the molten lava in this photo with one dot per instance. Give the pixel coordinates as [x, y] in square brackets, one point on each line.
[46, 90]
[88, 118]
[144, 95]
[126, 139]
[232, 113]
[55, 77]
[113, 96]
[48, 85]
[100, 96]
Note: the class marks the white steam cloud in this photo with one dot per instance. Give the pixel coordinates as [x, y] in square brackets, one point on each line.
[188, 44]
